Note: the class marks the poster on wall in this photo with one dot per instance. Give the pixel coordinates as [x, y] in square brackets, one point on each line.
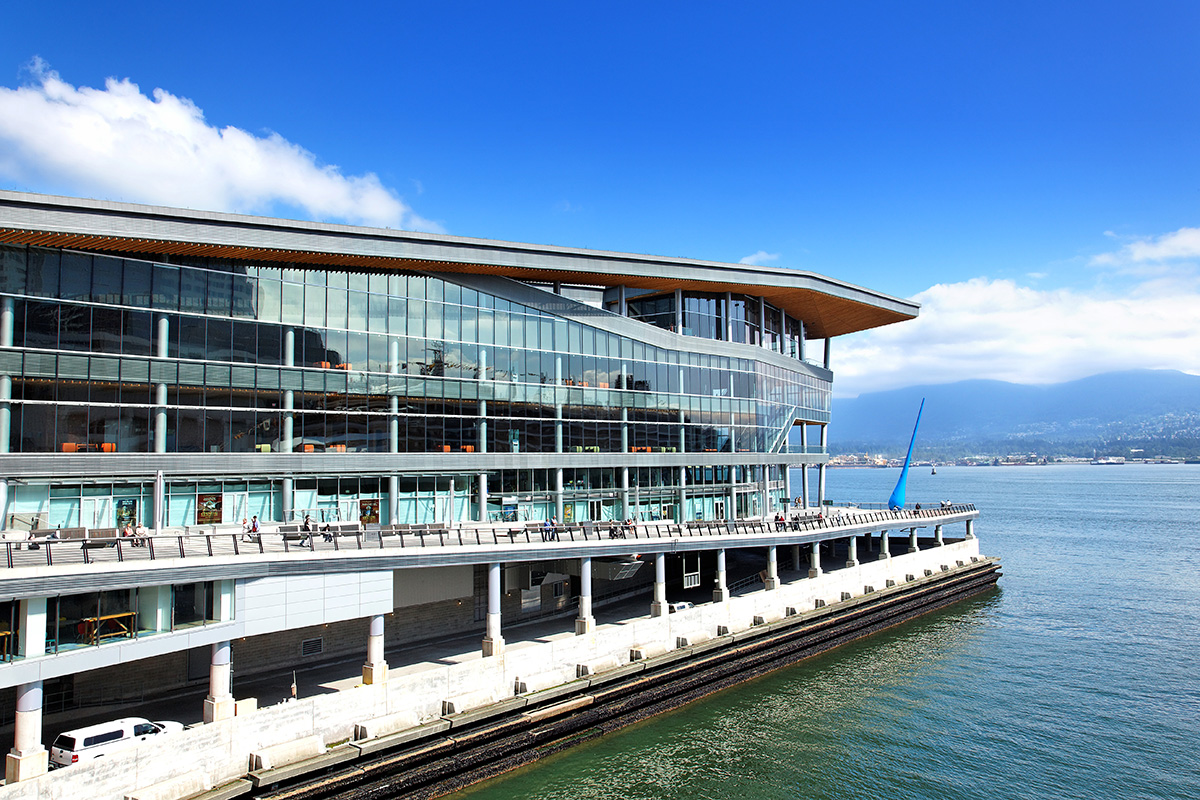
[208, 509]
[568, 513]
[368, 511]
[127, 511]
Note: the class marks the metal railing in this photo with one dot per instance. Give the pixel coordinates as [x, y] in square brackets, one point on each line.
[115, 549]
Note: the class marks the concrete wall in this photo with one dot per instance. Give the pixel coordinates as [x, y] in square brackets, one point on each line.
[221, 750]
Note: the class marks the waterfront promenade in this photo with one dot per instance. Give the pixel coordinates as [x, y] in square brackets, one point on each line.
[425, 676]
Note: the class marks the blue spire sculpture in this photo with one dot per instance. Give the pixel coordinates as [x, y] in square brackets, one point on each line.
[896, 501]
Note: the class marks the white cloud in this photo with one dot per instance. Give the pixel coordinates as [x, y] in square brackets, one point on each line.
[999, 330]
[759, 258]
[1181, 244]
[118, 143]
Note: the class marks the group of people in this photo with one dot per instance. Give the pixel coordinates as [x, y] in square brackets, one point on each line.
[308, 528]
[136, 534]
[550, 530]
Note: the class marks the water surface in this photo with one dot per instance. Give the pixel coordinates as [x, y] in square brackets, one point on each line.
[1078, 678]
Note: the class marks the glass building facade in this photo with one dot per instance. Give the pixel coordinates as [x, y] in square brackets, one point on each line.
[248, 378]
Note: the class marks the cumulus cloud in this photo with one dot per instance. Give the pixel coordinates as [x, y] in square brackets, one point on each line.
[997, 329]
[118, 143]
[759, 258]
[1181, 244]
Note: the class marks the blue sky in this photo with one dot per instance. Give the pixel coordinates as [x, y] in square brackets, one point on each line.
[1028, 172]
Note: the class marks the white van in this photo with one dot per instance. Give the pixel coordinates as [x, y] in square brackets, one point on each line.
[94, 741]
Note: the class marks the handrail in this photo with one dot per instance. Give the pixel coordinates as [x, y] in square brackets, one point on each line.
[151, 548]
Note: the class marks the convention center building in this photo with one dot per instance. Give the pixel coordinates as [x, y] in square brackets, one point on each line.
[224, 434]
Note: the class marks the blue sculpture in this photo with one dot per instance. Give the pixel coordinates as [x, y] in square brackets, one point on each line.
[896, 501]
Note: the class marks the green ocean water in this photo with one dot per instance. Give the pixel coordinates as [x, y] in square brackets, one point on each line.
[1078, 678]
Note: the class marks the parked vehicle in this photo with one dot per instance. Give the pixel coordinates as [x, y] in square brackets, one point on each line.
[681, 606]
[94, 741]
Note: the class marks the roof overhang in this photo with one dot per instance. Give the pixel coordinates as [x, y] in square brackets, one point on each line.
[827, 306]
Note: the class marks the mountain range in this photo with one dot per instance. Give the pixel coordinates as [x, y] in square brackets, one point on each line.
[1156, 412]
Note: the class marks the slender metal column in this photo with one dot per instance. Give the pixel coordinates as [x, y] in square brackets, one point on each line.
[679, 310]
[375, 670]
[622, 301]
[659, 607]
[393, 484]
[7, 317]
[28, 758]
[814, 567]
[762, 322]
[729, 316]
[772, 581]
[219, 703]
[682, 495]
[802, 334]
[585, 623]
[804, 467]
[721, 586]
[624, 430]
[624, 493]
[827, 351]
[162, 339]
[287, 441]
[821, 467]
[493, 642]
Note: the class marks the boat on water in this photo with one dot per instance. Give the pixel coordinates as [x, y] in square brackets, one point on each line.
[933, 471]
[1109, 460]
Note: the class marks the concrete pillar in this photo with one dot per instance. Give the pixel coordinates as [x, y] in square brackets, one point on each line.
[219, 703]
[288, 491]
[557, 286]
[375, 670]
[624, 430]
[937, 535]
[814, 567]
[729, 316]
[884, 548]
[28, 758]
[493, 642]
[659, 607]
[622, 301]
[827, 351]
[393, 499]
[852, 552]
[162, 338]
[787, 485]
[625, 493]
[679, 310]
[970, 529]
[154, 608]
[796, 557]
[912, 541]
[802, 334]
[558, 495]
[721, 587]
[482, 500]
[585, 623]
[772, 581]
[731, 512]
[682, 445]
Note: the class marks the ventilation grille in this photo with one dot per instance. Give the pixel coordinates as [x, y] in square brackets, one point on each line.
[312, 647]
